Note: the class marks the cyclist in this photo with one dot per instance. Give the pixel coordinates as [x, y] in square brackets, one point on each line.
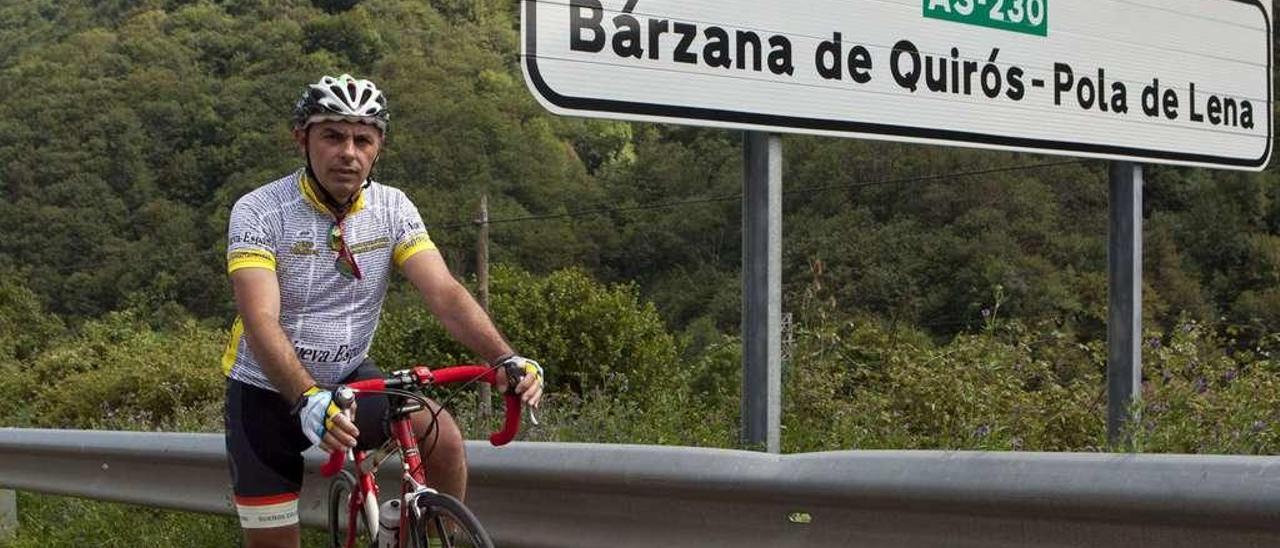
[310, 256]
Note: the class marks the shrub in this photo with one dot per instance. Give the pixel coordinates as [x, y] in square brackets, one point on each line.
[25, 327]
[859, 385]
[1201, 397]
[588, 336]
[120, 374]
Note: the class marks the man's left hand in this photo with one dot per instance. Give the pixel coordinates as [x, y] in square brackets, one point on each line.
[530, 387]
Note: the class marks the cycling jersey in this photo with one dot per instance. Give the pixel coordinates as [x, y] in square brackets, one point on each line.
[330, 319]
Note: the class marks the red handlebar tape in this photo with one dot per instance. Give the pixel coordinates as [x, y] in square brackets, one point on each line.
[447, 375]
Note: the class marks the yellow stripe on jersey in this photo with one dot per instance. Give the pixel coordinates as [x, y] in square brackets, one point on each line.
[411, 246]
[233, 347]
[309, 194]
[250, 258]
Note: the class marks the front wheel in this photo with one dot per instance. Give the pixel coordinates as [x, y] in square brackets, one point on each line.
[444, 522]
[341, 525]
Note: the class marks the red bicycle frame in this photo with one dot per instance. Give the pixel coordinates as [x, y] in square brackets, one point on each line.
[414, 474]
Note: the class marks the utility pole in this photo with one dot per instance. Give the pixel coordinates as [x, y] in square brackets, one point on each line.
[482, 279]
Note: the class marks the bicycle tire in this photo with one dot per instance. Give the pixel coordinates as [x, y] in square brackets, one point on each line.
[340, 490]
[441, 512]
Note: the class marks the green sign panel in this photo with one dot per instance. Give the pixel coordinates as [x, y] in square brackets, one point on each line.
[1025, 16]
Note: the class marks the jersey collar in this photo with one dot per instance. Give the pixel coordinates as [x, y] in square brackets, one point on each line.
[312, 197]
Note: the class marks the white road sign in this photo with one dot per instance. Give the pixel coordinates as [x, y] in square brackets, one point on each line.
[1169, 81]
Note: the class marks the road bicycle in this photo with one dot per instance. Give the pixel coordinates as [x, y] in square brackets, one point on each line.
[420, 517]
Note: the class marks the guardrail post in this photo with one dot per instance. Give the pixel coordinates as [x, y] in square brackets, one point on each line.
[8, 514]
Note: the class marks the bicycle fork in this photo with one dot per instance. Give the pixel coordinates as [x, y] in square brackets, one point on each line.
[370, 489]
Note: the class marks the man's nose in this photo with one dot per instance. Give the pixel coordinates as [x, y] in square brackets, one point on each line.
[348, 148]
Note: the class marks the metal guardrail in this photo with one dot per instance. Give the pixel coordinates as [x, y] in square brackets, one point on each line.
[571, 495]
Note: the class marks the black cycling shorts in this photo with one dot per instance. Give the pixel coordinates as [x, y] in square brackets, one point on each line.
[265, 442]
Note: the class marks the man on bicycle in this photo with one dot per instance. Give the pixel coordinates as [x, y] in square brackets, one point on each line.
[310, 256]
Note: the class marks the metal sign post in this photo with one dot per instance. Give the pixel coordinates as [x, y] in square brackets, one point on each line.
[762, 291]
[1124, 319]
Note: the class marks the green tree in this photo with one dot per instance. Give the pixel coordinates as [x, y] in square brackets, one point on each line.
[25, 327]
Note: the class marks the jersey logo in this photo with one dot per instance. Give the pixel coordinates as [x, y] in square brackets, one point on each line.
[250, 238]
[378, 243]
[342, 354]
[304, 248]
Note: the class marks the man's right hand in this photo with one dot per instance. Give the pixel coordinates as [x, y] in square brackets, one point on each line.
[324, 423]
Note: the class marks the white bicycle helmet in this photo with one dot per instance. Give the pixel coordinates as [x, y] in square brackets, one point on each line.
[341, 99]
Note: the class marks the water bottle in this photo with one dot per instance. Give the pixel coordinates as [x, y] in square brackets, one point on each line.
[389, 524]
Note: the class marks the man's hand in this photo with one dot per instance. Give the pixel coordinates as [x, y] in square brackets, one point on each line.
[324, 423]
[530, 387]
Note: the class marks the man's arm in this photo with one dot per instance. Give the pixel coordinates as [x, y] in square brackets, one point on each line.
[258, 301]
[461, 315]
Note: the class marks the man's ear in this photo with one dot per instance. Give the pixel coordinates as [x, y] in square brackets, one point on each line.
[300, 138]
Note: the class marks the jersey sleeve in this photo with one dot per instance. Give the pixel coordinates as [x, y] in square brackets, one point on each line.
[251, 241]
[410, 233]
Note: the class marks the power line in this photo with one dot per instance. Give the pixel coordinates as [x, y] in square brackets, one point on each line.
[925, 178]
[597, 211]
[738, 196]
[211, 254]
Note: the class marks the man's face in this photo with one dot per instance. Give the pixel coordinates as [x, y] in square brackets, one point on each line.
[342, 153]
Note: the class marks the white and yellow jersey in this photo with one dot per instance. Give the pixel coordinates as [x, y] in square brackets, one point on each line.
[330, 319]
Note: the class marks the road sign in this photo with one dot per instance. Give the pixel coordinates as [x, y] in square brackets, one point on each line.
[1167, 81]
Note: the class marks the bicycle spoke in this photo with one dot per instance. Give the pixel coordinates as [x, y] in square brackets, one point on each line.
[446, 523]
[444, 534]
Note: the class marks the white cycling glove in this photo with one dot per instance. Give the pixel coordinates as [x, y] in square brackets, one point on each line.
[528, 366]
[315, 412]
